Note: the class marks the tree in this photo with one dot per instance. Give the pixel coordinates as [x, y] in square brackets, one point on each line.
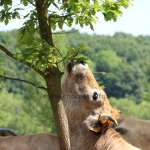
[36, 45]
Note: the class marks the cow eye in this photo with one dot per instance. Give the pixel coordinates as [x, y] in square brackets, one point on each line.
[95, 96]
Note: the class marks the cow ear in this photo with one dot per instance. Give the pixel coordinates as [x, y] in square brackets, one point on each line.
[99, 126]
[93, 123]
[99, 131]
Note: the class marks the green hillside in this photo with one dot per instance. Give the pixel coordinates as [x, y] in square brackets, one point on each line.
[125, 59]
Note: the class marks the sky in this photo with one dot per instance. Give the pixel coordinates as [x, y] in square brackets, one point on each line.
[135, 21]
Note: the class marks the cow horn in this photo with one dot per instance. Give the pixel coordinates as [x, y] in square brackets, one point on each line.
[104, 118]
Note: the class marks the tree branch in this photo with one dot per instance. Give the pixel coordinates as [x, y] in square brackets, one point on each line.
[60, 55]
[63, 16]
[39, 87]
[8, 53]
[100, 72]
[66, 32]
[31, 3]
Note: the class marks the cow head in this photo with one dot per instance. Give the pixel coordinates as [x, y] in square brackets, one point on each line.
[84, 100]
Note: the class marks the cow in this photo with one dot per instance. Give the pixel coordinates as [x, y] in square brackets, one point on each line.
[134, 131]
[111, 140]
[30, 142]
[84, 102]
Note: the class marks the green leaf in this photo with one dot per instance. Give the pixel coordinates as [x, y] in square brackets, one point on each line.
[54, 53]
[56, 5]
[1, 60]
[25, 2]
[50, 60]
[54, 65]
[2, 72]
[60, 24]
[91, 26]
[6, 21]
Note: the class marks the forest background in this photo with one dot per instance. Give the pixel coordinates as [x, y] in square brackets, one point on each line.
[122, 59]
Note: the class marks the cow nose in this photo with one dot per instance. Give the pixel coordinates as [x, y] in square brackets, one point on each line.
[70, 65]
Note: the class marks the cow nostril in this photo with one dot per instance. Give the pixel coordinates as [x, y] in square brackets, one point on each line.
[83, 63]
[95, 96]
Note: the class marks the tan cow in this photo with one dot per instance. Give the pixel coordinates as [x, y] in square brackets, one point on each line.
[135, 131]
[84, 100]
[29, 142]
[111, 140]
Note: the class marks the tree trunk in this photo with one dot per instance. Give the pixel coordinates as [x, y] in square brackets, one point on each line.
[52, 77]
[53, 81]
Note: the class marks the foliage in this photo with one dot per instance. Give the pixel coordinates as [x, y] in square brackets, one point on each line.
[125, 59]
[24, 121]
[66, 12]
[124, 77]
[58, 14]
[128, 107]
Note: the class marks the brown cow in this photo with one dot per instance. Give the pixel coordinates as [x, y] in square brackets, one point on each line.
[29, 142]
[83, 99]
[111, 140]
[135, 131]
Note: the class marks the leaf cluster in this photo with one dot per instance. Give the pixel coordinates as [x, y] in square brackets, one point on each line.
[113, 9]
[39, 52]
[8, 13]
[75, 54]
[130, 108]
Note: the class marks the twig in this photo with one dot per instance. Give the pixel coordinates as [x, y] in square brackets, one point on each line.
[39, 87]
[8, 53]
[60, 55]
[66, 32]
[31, 3]
[63, 16]
[101, 72]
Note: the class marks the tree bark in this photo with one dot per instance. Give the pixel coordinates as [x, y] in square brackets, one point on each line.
[53, 82]
[52, 77]
[44, 26]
